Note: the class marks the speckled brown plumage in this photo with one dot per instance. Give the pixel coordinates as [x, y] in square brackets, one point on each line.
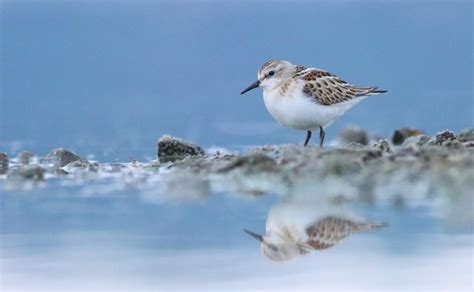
[284, 88]
[330, 230]
[327, 89]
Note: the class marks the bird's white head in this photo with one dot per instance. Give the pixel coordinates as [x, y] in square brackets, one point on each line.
[276, 248]
[272, 73]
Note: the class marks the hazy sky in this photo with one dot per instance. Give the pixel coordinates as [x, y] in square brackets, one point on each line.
[119, 74]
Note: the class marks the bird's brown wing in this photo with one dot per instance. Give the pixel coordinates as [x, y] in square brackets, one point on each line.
[328, 231]
[328, 89]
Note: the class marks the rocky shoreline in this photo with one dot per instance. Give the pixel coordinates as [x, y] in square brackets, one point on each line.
[407, 168]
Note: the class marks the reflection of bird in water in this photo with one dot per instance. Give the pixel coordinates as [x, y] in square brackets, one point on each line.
[294, 228]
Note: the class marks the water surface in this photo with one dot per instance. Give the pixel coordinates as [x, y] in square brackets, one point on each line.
[55, 238]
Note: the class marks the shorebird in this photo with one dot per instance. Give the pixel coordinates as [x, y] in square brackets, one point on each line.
[296, 228]
[306, 98]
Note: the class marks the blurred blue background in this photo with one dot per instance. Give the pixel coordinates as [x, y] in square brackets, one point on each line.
[111, 77]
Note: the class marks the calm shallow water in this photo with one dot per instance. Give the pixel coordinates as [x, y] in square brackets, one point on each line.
[63, 238]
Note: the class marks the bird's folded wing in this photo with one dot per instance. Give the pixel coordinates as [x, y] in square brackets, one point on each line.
[328, 89]
[329, 231]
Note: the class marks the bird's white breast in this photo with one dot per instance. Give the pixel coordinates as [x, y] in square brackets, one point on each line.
[293, 109]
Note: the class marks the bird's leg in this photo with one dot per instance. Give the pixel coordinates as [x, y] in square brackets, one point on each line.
[308, 136]
[321, 136]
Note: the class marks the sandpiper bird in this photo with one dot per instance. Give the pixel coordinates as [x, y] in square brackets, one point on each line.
[294, 228]
[306, 98]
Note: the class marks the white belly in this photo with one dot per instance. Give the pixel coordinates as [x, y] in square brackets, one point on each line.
[299, 112]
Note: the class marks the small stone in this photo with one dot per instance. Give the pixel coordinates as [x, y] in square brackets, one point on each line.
[354, 134]
[466, 135]
[60, 156]
[402, 134]
[172, 149]
[442, 138]
[383, 145]
[3, 163]
[30, 172]
[24, 157]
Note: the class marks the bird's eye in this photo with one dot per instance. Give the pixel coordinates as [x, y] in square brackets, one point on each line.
[274, 248]
[271, 73]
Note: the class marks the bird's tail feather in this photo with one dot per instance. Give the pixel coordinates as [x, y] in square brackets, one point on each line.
[371, 225]
[375, 91]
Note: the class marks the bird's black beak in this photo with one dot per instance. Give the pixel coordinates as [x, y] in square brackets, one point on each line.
[254, 235]
[252, 86]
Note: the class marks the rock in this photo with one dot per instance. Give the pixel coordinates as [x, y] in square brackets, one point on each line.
[3, 163]
[255, 162]
[402, 134]
[24, 157]
[341, 164]
[112, 167]
[172, 149]
[354, 134]
[30, 172]
[469, 144]
[442, 138]
[60, 156]
[81, 164]
[200, 164]
[416, 140]
[60, 172]
[354, 145]
[466, 135]
[383, 145]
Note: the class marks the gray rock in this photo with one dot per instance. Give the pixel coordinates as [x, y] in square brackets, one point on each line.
[112, 167]
[469, 144]
[59, 172]
[81, 164]
[466, 135]
[383, 145]
[251, 163]
[60, 156]
[354, 145]
[416, 140]
[172, 149]
[340, 164]
[354, 134]
[443, 138]
[30, 172]
[400, 135]
[3, 163]
[202, 164]
[24, 157]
